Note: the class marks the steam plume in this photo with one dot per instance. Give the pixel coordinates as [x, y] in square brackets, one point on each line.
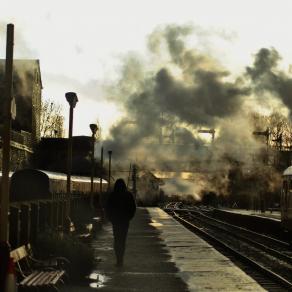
[179, 90]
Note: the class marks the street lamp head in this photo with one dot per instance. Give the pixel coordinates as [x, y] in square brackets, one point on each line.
[110, 152]
[71, 98]
[93, 128]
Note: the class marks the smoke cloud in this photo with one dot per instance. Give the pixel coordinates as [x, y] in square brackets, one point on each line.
[189, 89]
[178, 90]
[266, 76]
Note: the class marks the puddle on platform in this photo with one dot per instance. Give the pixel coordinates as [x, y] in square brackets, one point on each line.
[104, 248]
[154, 223]
[97, 280]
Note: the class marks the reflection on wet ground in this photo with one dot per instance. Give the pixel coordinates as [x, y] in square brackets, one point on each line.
[147, 263]
[98, 280]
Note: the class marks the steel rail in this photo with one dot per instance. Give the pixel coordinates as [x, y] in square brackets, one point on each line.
[272, 251]
[276, 241]
[277, 278]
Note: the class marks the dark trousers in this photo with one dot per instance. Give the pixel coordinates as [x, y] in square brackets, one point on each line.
[120, 231]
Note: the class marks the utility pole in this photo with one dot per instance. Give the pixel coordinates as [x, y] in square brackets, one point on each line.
[101, 167]
[101, 199]
[264, 133]
[4, 202]
[129, 176]
[134, 178]
[267, 134]
[110, 152]
[211, 132]
[93, 128]
[161, 128]
[72, 99]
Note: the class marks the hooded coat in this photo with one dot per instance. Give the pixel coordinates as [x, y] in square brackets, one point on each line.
[121, 206]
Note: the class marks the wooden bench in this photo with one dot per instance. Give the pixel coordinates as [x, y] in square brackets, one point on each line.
[31, 278]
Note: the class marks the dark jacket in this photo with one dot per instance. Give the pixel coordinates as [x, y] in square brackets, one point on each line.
[120, 207]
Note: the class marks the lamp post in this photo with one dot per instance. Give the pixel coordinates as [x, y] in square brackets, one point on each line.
[101, 166]
[134, 178]
[72, 99]
[109, 168]
[93, 128]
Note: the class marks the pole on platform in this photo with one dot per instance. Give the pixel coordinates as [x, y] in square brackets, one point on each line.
[109, 168]
[4, 202]
[134, 178]
[93, 128]
[101, 167]
[72, 100]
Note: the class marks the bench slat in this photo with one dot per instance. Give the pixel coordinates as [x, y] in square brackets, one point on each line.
[36, 278]
[33, 279]
[51, 277]
[57, 277]
[41, 280]
[28, 278]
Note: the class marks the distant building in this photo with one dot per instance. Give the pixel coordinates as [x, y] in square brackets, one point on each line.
[25, 127]
[51, 154]
[148, 188]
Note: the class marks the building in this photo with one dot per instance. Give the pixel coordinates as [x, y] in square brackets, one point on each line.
[25, 125]
[51, 154]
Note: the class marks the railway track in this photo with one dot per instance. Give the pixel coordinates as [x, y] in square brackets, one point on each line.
[269, 258]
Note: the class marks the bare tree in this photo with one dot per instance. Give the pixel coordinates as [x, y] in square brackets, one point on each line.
[278, 126]
[288, 137]
[52, 120]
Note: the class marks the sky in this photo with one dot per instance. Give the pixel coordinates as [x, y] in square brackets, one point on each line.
[81, 44]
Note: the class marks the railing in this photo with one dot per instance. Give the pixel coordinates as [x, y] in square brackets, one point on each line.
[27, 140]
[28, 218]
[17, 137]
[23, 137]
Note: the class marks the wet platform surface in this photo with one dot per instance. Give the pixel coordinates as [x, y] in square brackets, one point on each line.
[162, 255]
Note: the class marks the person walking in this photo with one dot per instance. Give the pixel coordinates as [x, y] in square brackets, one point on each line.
[120, 209]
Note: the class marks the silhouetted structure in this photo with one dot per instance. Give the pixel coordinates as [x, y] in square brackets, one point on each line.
[51, 154]
[25, 127]
[27, 86]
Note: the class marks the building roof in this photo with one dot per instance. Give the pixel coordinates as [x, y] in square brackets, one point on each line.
[22, 68]
[81, 143]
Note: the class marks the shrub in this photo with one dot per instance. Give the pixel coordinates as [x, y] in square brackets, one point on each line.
[80, 255]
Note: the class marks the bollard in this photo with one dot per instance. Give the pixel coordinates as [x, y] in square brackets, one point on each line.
[4, 259]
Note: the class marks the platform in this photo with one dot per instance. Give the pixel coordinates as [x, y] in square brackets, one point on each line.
[162, 255]
[274, 215]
